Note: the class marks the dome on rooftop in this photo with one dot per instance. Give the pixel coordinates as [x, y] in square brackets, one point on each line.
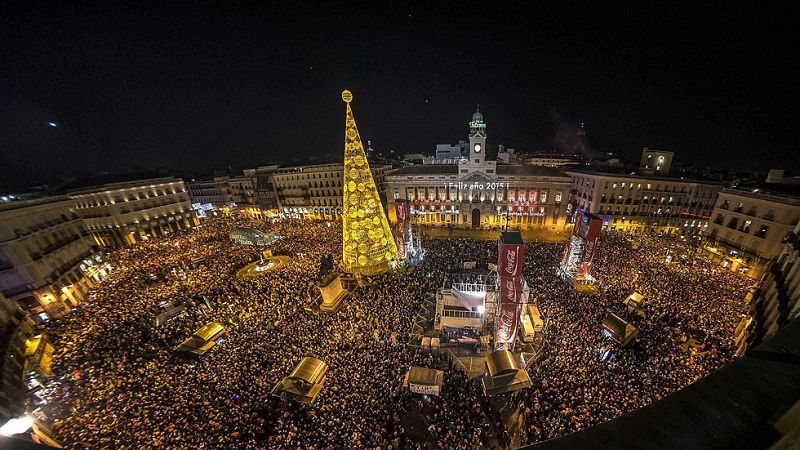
[477, 117]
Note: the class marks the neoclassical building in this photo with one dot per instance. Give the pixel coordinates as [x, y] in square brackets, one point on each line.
[48, 260]
[120, 214]
[478, 193]
[314, 191]
[636, 203]
[750, 227]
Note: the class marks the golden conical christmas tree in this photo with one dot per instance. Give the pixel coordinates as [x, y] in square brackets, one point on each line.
[367, 244]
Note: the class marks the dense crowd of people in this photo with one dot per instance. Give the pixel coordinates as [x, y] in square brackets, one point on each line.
[120, 383]
[685, 298]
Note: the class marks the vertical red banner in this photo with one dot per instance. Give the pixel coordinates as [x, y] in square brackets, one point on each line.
[580, 225]
[510, 255]
[508, 314]
[402, 211]
[595, 226]
[565, 257]
[509, 261]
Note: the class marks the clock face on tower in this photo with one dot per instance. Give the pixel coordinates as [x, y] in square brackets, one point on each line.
[477, 148]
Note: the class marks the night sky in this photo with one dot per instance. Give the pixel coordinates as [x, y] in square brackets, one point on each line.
[199, 88]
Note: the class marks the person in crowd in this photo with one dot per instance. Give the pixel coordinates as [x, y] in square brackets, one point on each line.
[118, 383]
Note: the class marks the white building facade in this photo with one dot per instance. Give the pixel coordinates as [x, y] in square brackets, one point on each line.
[645, 203]
[48, 261]
[314, 191]
[121, 214]
[777, 301]
[208, 191]
[16, 328]
[749, 228]
[480, 194]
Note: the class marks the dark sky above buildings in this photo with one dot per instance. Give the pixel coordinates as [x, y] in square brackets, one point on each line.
[199, 88]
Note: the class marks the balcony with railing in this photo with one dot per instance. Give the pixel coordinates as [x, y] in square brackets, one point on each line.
[60, 244]
[12, 291]
[71, 264]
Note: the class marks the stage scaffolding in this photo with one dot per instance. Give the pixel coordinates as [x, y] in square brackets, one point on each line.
[450, 311]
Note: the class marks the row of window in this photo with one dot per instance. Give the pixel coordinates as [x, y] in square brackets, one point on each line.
[320, 184]
[42, 224]
[751, 211]
[477, 194]
[123, 197]
[325, 193]
[630, 185]
[499, 219]
[636, 211]
[744, 227]
[169, 215]
[135, 208]
[500, 209]
[646, 200]
[49, 242]
[309, 176]
[629, 219]
[309, 184]
[326, 202]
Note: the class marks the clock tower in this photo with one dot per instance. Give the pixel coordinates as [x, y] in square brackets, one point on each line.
[477, 139]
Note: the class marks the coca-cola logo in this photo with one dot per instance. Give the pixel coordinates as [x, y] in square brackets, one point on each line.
[507, 325]
[589, 251]
[510, 291]
[512, 260]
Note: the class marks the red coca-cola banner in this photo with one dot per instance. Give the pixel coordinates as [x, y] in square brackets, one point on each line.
[509, 260]
[594, 227]
[511, 252]
[510, 290]
[507, 324]
[580, 225]
[403, 212]
[565, 257]
[508, 314]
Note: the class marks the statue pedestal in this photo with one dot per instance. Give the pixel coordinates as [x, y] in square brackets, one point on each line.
[332, 292]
